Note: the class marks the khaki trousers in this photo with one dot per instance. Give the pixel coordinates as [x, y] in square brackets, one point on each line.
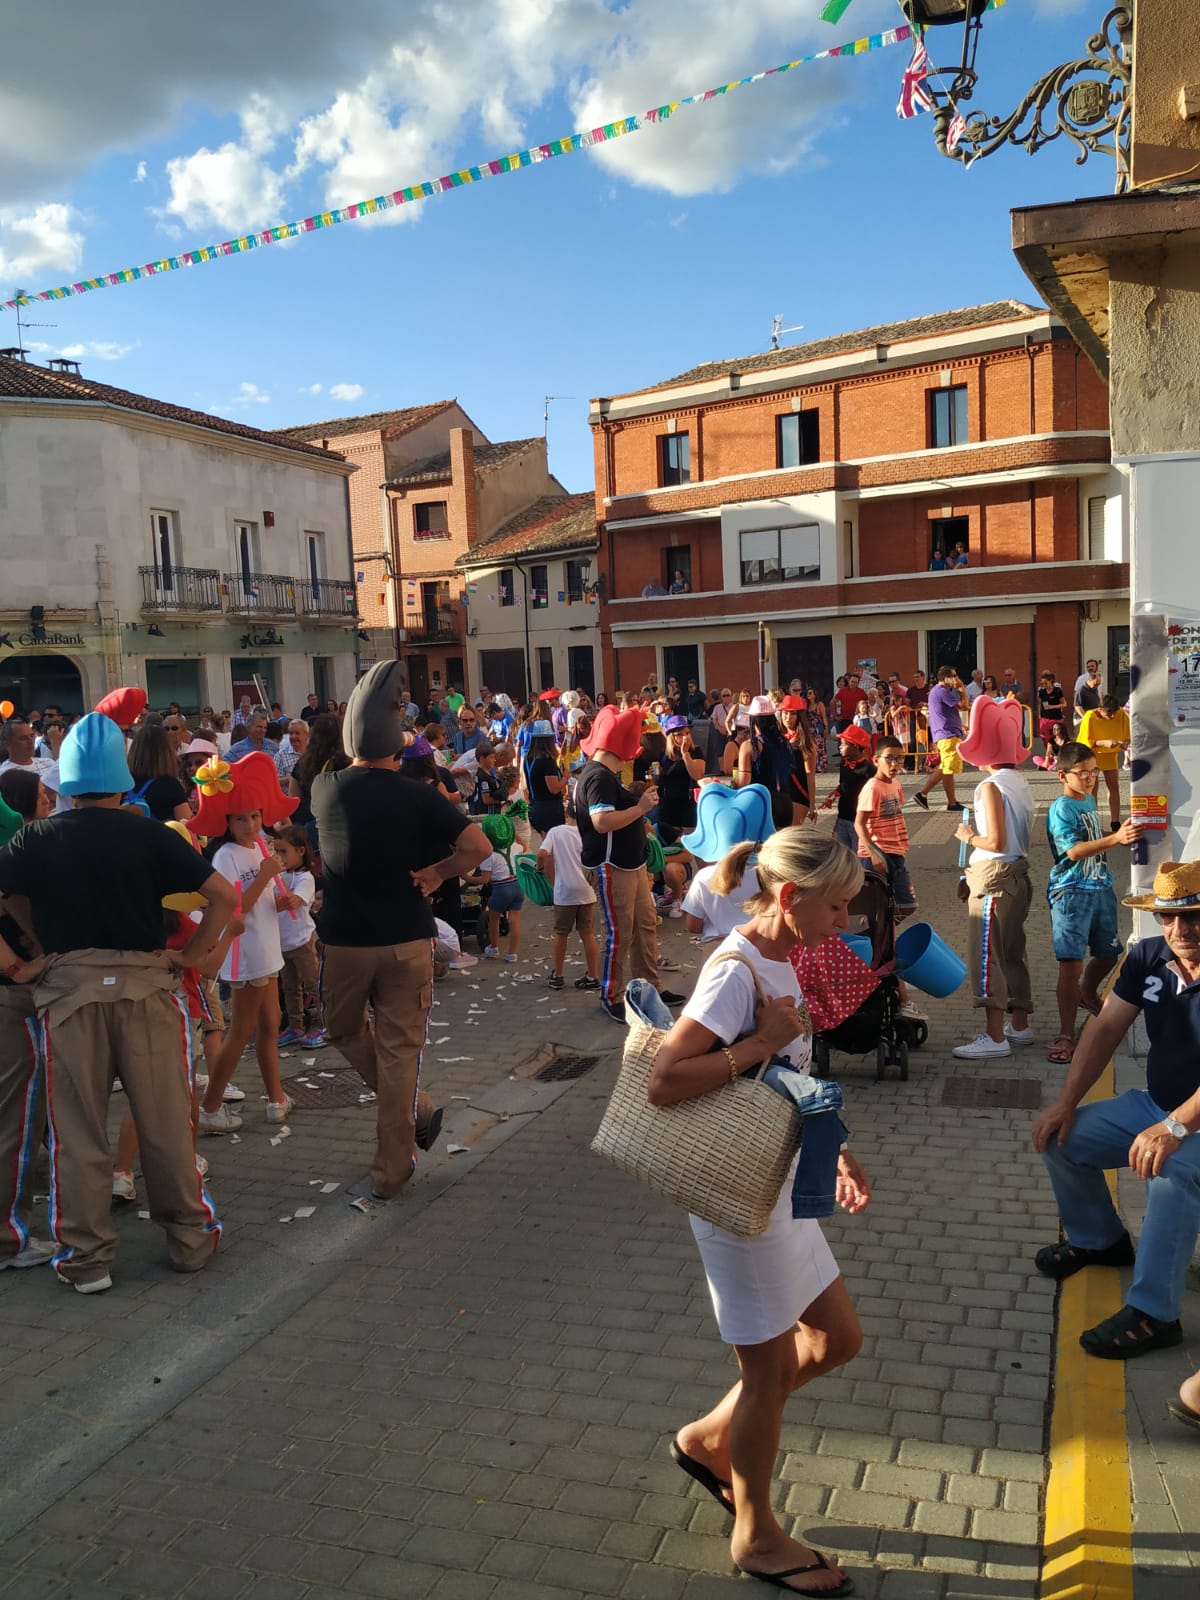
[147, 1042]
[631, 927]
[299, 977]
[1001, 893]
[22, 1114]
[396, 980]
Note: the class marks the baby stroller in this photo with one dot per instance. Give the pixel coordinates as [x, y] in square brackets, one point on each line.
[876, 1024]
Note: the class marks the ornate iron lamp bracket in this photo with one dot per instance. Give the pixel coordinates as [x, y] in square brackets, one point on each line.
[1087, 100]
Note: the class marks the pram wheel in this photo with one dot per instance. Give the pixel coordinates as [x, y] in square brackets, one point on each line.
[902, 1058]
[820, 1058]
[921, 1032]
[888, 1054]
[881, 1060]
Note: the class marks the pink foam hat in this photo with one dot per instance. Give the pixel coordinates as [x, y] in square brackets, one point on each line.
[997, 727]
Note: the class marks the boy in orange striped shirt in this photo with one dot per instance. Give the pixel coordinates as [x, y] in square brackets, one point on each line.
[879, 824]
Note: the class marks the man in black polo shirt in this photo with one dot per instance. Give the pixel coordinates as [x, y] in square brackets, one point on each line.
[612, 833]
[1151, 1130]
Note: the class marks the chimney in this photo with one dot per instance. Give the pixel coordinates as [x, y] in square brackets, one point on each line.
[67, 368]
[462, 481]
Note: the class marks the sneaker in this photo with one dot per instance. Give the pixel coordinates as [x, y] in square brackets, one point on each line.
[91, 1286]
[955, 805]
[202, 1166]
[614, 1010]
[510, 958]
[34, 1253]
[123, 1187]
[590, 984]
[667, 965]
[316, 1040]
[676, 910]
[913, 1012]
[233, 1094]
[922, 800]
[555, 981]
[277, 1110]
[670, 999]
[426, 1134]
[463, 962]
[290, 1036]
[491, 953]
[222, 1121]
[1018, 1035]
[662, 901]
[984, 1048]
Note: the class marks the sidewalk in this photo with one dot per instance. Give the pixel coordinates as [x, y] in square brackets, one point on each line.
[471, 1394]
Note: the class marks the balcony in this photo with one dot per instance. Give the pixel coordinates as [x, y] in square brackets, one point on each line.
[166, 590]
[435, 625]
[259, 594]
[326, 598]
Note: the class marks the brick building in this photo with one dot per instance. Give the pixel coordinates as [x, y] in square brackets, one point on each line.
[810, 487]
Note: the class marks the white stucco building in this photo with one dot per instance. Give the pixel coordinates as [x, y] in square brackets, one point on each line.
[144, 543]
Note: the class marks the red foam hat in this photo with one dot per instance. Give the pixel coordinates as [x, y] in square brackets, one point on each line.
[123, 706]
[856, 735]
[549, 694]
[618, 732]
[251, 784]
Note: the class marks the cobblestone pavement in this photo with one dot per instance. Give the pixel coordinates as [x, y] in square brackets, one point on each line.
[471, 1394]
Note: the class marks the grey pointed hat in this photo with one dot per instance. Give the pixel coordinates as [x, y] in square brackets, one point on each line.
[374, 719]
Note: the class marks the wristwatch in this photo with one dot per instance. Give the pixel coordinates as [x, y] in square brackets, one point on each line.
[1177, 1130]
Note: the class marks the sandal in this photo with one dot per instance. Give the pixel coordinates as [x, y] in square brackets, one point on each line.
[1092, 1007]
[1063, 1260]
[779, 1578]
[705, 1477]
[1062, 1049]
[1130, 1333]
[1182, 1412]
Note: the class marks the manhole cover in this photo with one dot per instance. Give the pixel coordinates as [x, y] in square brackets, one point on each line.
[566, 1067]
[1003, 1094]
[320, 1089]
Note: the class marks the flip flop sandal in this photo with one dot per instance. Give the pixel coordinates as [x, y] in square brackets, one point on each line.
[1130, 1333]
[1062, 1049]
[1062, 1260]
[1184, 1413]
[704, 1476]
[779, 1579]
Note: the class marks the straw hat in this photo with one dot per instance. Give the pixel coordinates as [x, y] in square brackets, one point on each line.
[1176, 888]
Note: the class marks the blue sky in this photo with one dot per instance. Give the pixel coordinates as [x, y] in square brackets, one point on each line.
[588, 275]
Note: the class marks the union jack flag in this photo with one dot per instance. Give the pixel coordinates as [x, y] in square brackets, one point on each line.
[914, 97]
[958, 126]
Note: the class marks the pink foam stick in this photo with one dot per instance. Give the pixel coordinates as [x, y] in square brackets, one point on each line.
[279, 898]
[235, 951]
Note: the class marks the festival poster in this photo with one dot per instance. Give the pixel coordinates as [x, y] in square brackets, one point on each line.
[1183, 673]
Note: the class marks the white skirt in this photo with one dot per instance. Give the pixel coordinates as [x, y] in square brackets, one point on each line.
[763, 1285]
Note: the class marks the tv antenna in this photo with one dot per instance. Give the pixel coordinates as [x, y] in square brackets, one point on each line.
[546, 410]
[777, 328]
[18, 294]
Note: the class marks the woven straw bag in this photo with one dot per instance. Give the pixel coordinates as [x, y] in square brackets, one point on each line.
[722, 1156]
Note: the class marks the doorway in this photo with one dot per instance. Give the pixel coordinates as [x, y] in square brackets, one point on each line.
[418, 679]
[242, 673]
[32, 682]
[581, 669]
[681, 662]
[503, 671]
[951, 647]
[809, 658]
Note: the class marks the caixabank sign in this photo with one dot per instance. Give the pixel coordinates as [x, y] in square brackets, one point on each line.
[50, 641]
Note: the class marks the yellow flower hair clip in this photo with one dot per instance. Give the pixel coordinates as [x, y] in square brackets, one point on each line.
[213, 778]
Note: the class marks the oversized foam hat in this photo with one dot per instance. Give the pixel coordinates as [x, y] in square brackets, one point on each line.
[618, 732]
[92, 757]
[374, 725]
[673, 724]
[498, 830]
[995, 736]
[762, 706]
[727, 817]
[420, 746]
[541, 729]
[124, 706]
[1176, 888]
[856, 735]
[251, 784]
[189, 901]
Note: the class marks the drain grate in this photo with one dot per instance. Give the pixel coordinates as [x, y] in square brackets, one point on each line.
[1001, 1094]
[312, 1092]
[566, 1066]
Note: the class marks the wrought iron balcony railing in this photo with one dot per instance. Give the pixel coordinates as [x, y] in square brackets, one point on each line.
[326, 597]
[259, 594]
[167, 589]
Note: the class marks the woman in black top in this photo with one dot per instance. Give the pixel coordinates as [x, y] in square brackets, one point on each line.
[155, 772]
[681, 771]
[325, 753]
[1052, 709]
[543, 780]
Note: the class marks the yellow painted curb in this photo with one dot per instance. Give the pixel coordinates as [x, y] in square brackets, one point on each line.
[1087, 1542]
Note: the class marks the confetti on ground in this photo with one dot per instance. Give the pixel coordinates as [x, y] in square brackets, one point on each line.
[309, 1061]
[363, 1203]
[329, 1074]
[365, 1099]
[285, 1219]
[459, 1096]
[145, 1216]
[439, 1024]
[456, 1149]
[235, 1138]
[328, 1188]
[446, 1060]
[284, 1133]
[306, 1211]
[557, 1011]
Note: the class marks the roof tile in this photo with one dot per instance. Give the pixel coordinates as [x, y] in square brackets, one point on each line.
[393, 423]
[487, 457]
[555, 522]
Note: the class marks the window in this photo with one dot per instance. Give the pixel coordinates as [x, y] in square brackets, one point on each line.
[315, 550]
[573, 579]
[674, 459]
[782, 555]
[430, 520]
[539, 593]
[1095, 529]
[545, 666]
[798, 438]
[581, 669]
[245, 540]
[945, 536]
[164, 539]
[847, 549]
[948, 416]
[677, 569]
[505, 592]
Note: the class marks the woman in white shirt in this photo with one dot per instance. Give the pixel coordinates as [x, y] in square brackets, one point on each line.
[778, 1296]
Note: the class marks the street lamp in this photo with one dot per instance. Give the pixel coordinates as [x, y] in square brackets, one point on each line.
[585, 570]
[1087, 100]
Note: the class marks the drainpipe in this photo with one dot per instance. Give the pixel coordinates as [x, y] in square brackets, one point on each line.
[1030, 353]
[528, 667]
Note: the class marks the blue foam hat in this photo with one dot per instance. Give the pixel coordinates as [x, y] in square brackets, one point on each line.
[92, 758]
[728, 817]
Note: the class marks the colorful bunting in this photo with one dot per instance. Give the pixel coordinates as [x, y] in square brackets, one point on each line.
[582, 140]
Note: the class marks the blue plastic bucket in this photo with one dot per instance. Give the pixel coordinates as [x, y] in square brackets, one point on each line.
[861, 946]
[923, 960]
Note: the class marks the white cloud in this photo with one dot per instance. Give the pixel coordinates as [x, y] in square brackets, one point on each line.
[40, 241]
[99, 349]
[347, 391]
[231, 188]
[141, 174]
[310, 388]
[249, 394]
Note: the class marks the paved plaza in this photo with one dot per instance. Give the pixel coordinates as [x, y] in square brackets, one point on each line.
[468, 1395]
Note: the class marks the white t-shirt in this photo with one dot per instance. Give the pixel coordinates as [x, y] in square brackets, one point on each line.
[724, 999]
[50, 780]
[295, 931]
[1018, 816]
[39, 764]
[257, 951]
[722, 913]
[497, 868]
[565, 848]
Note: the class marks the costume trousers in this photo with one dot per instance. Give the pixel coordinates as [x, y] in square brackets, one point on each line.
[631, 928]
[148, 1044]
[299, 978]
[396, 980]
[1099, 1141]
[1001, 893]
[22, 1114]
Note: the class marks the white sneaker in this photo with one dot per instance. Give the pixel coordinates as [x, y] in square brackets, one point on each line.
[491, 953]
[233, 1094]
[984, 1048]
[676, 911]
[35, 1254]
[222, 1121]
[913, 1012]
[278, 1111]
[93, 1286]
[510, 958]
[123, 1186]
[463, 962]
[1018, 1035]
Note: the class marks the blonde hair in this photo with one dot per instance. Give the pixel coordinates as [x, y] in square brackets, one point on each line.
[816, 864]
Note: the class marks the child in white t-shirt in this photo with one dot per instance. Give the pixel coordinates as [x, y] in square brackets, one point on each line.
[560, 860]
[504, 899]
[297, 937]
[715, 902]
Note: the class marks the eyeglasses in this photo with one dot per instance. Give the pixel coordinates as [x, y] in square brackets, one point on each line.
[1190, 918]
[466, 722]
[1084, 772]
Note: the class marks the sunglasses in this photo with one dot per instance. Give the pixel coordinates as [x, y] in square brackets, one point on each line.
[1191, 918]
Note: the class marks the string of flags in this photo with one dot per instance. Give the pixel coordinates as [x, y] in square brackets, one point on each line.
[581, 140]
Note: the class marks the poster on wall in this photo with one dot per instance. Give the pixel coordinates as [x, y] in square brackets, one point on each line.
[1183, 673]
